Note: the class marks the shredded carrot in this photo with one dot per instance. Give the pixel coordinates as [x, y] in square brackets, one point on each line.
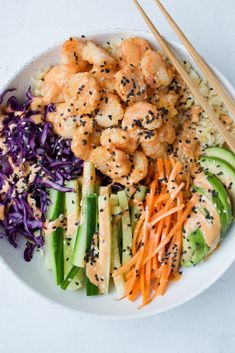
[175, 193]
[129, 274]
[135, 291]
[140, 254]
[140, 236]
[151, 197]
[175, 171]
[166, 214]
[168, 204]
[167, 224]
[148, 268]
[161, 198]
[174, 229]
[143, 286]
[157, 238]
[171, 158]
[164, 280]
[136, 232]
[124, 268]
[160, 168]
[151, 174]
[168, 167]
[187, 187]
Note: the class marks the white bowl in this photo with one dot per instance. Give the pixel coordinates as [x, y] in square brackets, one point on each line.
[194, 280]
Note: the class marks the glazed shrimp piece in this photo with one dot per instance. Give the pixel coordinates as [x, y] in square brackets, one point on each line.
[186, 143]
[166, 98]
[167, 132]
[111, 162]
[85, 138]
[54, 80]
[118, 138]
[138, 171]
[155, 69]
[130, 85]
[131, 51]
[98, 56]
[110, 110]
[152, 147]
[64, 123]
[83, 91]
[139, 117]
[71, 54]
[105, 77]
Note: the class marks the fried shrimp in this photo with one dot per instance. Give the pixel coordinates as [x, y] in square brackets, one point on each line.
[166, 98]
[155, 69]
[138, 171]
[54, 80]
[110, 110]
[85, 138]
[98, 56]
[153, 148]
[83, 91]
[105, 77]
[71, 54]
[119, 106]
[64, 123]
[130, 85]
[167, 132]
[111, 161]
[118, 138]
[131, 51]
[139, 117]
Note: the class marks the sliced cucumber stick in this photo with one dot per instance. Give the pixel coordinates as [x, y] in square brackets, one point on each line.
[104, 239]
[57, 241]
[91, 219]
[54, 243]
[115, 259]
[72, 210]
[126, 227]
[81, 238]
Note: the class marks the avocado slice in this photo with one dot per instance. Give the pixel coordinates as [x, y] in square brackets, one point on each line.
[212, 188]
[202, 229]
[195, 249]
[218, 205]
[222, 153]
[224, 172]
[224, 203]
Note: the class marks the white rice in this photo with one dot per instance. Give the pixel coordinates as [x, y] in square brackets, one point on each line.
[205, 130]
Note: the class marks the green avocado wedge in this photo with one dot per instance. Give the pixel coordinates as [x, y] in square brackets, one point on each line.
[195, 249]
[224, 204]
[219, 197]
[217, 204]
[222, 153]
[224, 172]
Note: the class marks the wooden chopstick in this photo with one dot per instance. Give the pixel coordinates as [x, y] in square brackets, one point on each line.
[195, 91]
[208, 73]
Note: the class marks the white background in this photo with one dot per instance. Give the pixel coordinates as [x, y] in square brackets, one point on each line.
[29, 323]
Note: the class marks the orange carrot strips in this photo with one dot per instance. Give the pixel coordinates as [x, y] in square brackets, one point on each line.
[174, 229]
[136, 232]
[166, 214]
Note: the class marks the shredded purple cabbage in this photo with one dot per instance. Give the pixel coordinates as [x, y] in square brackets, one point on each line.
[39, 146]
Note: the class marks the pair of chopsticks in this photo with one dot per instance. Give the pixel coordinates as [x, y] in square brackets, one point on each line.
[213, 80]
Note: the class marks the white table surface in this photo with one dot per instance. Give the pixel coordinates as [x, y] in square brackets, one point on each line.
[29, 323]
